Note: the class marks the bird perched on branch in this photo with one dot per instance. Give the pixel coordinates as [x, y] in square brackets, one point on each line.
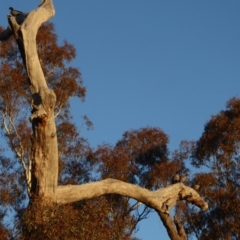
[14, 12]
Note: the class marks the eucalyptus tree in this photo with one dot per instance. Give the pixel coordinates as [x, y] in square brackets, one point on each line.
[45, 86]
[218, 151]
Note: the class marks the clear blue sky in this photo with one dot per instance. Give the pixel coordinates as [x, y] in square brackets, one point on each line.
[168, 64]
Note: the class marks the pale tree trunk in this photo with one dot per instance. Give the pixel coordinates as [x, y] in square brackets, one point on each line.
[44, 171]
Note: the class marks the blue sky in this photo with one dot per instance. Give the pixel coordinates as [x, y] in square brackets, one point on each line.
[168, 64]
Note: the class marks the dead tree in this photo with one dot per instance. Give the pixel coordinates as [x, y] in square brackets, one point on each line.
[42, 172]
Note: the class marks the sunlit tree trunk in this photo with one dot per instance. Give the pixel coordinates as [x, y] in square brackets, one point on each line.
[44, 170]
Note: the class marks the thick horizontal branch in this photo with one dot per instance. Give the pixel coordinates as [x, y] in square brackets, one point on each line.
[73, 193]
[161, 200]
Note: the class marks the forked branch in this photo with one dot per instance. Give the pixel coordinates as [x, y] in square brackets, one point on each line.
[161, 199]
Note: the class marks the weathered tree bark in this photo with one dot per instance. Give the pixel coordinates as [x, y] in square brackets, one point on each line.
[163, 199]
[174, 228]
[44, 175]
[44, 172]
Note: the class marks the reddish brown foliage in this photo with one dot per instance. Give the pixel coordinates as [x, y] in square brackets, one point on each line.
[218, 149]
[140, 157]
[80, 221]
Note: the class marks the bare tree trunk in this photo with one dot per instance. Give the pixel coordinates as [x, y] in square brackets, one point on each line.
[44, 173]
[44, 149]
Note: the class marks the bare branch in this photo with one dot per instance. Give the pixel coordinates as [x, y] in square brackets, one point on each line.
[73, 193]
[20, 153]
[135, 206]
[170, 226]
[8, 131]
[59, 110]
[161, 200]
[180, 228]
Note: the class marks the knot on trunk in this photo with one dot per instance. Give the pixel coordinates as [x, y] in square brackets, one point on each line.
[43, 105]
